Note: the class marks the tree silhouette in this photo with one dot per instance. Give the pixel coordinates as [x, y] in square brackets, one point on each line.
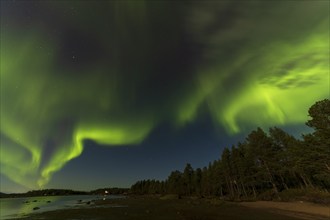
[262, 163]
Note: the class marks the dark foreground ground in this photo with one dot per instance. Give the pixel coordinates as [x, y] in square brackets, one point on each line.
[186, 209]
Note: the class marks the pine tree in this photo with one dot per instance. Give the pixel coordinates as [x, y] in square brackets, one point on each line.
[319, 141]
[261, 147]
[188, 179]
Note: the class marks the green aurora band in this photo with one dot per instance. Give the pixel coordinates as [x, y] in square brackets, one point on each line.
[265, 69]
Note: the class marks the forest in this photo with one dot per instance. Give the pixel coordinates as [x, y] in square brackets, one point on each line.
[262, 166]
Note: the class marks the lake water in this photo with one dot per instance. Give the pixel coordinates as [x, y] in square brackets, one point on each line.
[20, 207]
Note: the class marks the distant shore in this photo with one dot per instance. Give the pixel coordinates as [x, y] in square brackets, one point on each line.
[154, 207]
[65, 192]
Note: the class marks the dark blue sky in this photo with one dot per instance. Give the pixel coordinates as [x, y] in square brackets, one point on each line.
[165, 150]
[105, 93]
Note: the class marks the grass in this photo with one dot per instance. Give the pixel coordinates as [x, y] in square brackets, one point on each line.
[310, 195]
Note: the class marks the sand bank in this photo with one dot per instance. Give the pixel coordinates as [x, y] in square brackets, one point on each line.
[303, 210]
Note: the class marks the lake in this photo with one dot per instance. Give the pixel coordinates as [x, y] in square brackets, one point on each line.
[21, 207]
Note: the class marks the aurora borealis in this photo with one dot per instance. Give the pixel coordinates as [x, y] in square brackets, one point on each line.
[113, 72]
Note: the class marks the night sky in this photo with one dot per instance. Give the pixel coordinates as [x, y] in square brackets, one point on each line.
[105, 93]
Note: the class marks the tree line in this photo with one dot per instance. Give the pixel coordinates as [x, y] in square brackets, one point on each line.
[264, 162]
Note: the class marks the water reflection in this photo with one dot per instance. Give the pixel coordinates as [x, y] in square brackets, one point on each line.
[21, 207]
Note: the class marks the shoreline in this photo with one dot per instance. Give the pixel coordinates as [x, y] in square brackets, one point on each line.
[153, 207]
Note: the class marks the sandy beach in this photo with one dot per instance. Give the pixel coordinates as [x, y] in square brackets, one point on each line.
[186, 209]
[301, 209]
